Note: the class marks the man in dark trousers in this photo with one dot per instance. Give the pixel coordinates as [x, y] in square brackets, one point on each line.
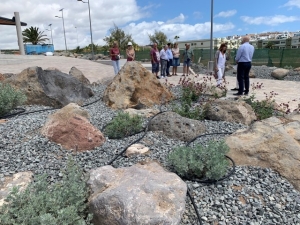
[243, 59]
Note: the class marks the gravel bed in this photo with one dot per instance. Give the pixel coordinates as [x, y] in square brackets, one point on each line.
[251, 196]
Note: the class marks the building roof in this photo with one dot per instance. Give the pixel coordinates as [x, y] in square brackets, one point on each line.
[6, 21]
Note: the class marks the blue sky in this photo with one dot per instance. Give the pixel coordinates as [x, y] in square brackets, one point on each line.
[188, 19]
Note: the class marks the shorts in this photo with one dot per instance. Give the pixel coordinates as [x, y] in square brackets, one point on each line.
[155, 67]
[176, 62]
[187, 62]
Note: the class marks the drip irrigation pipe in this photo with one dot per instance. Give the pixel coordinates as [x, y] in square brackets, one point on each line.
[23, 112]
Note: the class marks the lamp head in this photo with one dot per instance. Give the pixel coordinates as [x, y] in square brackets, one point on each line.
[50, 24]
[61, 9]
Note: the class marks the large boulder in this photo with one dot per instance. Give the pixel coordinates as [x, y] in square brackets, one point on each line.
[176, 126]
[71, 128]
[270, 143]
[279, 73]
[140, 194]
[230, 111]
[79, 75]
[21, 180]
[49, 87]
[135, 85]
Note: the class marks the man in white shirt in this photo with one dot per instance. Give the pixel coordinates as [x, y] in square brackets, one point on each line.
[243, 59]
[163, 61]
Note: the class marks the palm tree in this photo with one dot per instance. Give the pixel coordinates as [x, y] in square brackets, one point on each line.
[34, 36]
[176, 38]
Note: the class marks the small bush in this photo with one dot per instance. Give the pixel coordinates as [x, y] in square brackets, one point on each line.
[263, 109]
[195, 113]
[201, 162]
[123, 125]
[41, 203]
[9, 98]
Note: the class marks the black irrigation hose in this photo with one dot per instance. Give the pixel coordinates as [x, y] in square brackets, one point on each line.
[22, 112]
[145, 132]
[231, 172]
[6, 116]
[194, 205]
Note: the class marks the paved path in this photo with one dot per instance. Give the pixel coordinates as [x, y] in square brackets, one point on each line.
[95, 71]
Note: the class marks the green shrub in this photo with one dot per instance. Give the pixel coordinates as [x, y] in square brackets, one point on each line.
[41, 203]
[196, 113]
[263, 109]
[123, 125]
[9, 98]
[201, 162]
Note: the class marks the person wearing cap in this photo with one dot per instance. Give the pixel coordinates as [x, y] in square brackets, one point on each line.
[130, 52]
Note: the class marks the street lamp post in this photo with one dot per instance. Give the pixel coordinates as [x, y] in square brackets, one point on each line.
[210, 65]
[62, 13]
[77, 35]
[51, 33]
[88, 2]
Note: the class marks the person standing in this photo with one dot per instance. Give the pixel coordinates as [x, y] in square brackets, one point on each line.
[243, 59]
[130, 52]
[176, 55]
[115, 57]
[170, 59]
[188, 57]
[221, 57]
[163, 60]
[155, 58]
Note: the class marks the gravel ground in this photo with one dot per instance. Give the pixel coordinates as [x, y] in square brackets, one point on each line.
[262, 72]
[251, 196]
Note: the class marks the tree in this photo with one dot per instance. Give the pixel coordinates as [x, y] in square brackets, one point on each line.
[176, 38]
[33, 35]
[269, 45]
[117, 34]
[158, 37]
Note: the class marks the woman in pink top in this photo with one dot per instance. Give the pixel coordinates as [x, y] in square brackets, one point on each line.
[115, 57]
[176, 55]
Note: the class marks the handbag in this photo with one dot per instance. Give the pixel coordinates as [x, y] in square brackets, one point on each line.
[117, 57]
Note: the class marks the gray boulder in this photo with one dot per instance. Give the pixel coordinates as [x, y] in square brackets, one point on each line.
[140, 194]
[21, 180]
[230, 111]
[279, 73]
[79, 75]
[49, 87]
[176, 126]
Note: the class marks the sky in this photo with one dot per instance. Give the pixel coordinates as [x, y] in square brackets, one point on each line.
[188, 19]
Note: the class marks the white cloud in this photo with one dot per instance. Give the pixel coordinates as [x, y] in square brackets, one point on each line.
[104, 14]
[41, 13]
[141, 30]
[197, 15]
[178, 19]
[228, 13]
[269, 20]
[292, 3]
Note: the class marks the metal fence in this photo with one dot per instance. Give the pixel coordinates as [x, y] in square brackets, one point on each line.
[268, 57]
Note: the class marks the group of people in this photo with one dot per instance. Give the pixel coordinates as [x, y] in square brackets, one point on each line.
[114, 53]
[243, 60]
[170, 56]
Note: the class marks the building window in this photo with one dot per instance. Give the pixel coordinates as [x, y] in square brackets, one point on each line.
[201, 43]
[294, 46]
[282, 42]
[195, 43]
